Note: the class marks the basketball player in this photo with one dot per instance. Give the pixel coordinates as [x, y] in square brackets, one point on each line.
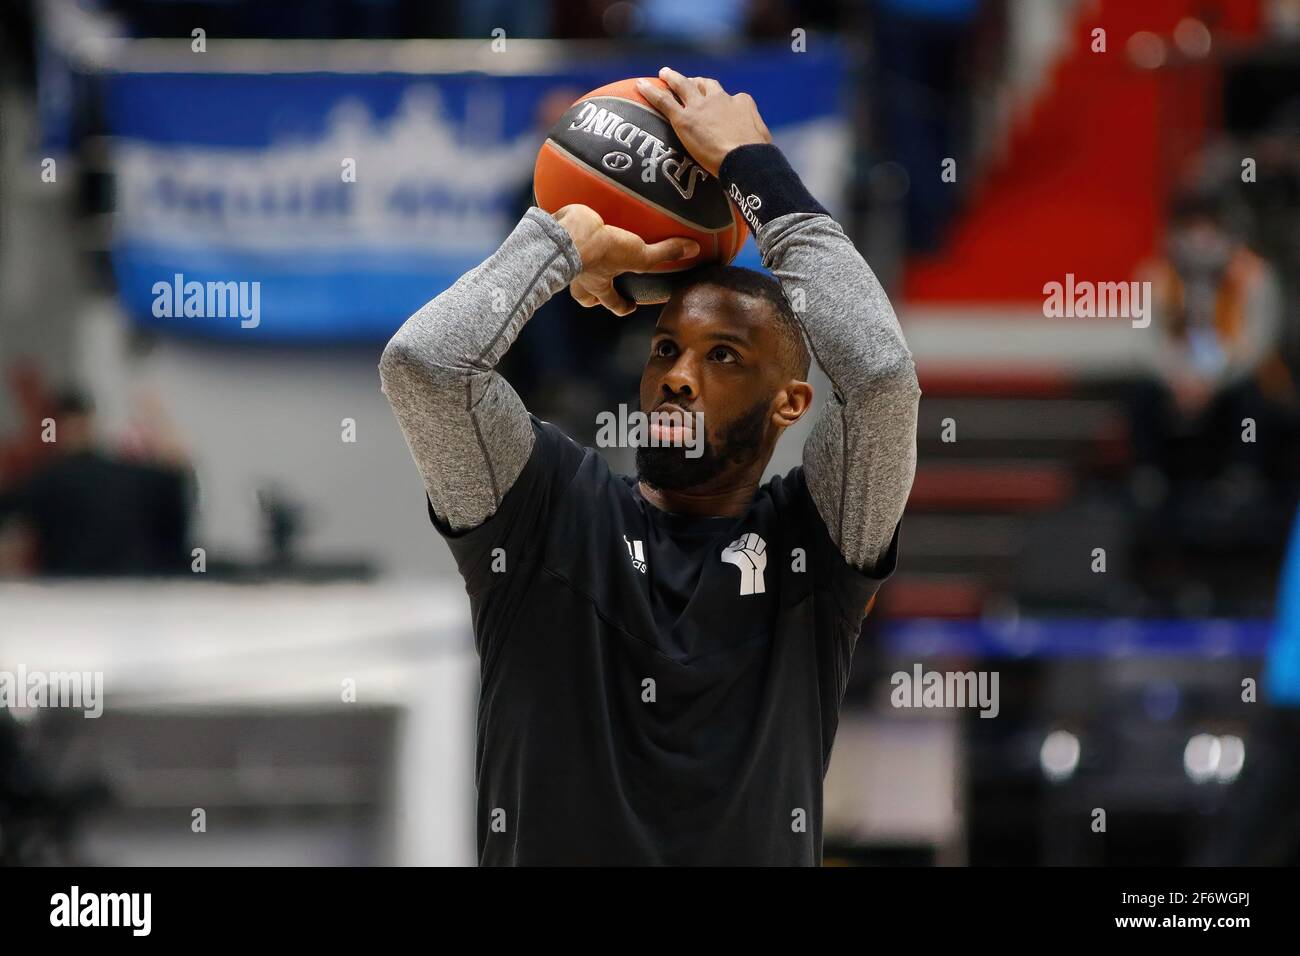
[663, 657]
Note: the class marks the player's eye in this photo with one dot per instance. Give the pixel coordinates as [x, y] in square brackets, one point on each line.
[724, 355]
[664, 348]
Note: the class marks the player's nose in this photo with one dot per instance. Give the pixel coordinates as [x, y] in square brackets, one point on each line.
[680, 381]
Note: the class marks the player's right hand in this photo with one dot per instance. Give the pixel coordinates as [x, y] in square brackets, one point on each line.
[608, 251]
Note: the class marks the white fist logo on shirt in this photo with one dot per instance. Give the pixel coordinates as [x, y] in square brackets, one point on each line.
[749, 554]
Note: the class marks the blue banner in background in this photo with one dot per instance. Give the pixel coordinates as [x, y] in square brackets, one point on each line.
[236, 215]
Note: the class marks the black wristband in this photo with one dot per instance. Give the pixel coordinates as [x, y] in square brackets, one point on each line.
[762, 184]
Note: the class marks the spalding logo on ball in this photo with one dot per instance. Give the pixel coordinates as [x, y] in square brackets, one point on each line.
[616, 153]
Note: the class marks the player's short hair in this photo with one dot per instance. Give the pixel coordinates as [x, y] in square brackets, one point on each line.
[794, 352]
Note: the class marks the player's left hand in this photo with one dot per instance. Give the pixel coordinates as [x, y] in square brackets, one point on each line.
[709, 121]
[608, 251]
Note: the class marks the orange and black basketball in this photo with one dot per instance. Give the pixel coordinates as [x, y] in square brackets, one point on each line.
[614, 152]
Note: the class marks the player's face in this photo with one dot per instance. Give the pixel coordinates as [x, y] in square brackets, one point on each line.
[714, 352]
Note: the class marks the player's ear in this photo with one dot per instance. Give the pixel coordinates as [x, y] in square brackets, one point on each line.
[795, 400]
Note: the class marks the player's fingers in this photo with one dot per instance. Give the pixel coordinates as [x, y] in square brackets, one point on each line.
[659, 98]
[710, 85]
[669, 250]
[610, 299]
[685, 90]
[583, 297]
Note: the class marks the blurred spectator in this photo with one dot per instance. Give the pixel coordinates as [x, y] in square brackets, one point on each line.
[1270, 200]
[40, 814]
[95, 513]
[1216, 312]
[23, 451]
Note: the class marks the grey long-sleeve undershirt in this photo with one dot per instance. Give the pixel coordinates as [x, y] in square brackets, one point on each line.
[470, 434]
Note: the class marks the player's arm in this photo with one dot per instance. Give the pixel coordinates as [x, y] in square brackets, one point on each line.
[468, 430]
[860, 458]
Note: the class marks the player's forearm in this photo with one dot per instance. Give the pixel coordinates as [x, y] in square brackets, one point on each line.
[468, 328]
[468, 430]
[861, 456]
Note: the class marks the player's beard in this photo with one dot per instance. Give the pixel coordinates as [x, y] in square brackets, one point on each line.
[669, 468]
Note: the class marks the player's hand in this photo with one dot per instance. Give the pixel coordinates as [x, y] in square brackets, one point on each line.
[608, 251]
[709, 121]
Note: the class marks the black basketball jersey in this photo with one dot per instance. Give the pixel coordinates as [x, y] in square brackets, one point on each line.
[656, 688]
